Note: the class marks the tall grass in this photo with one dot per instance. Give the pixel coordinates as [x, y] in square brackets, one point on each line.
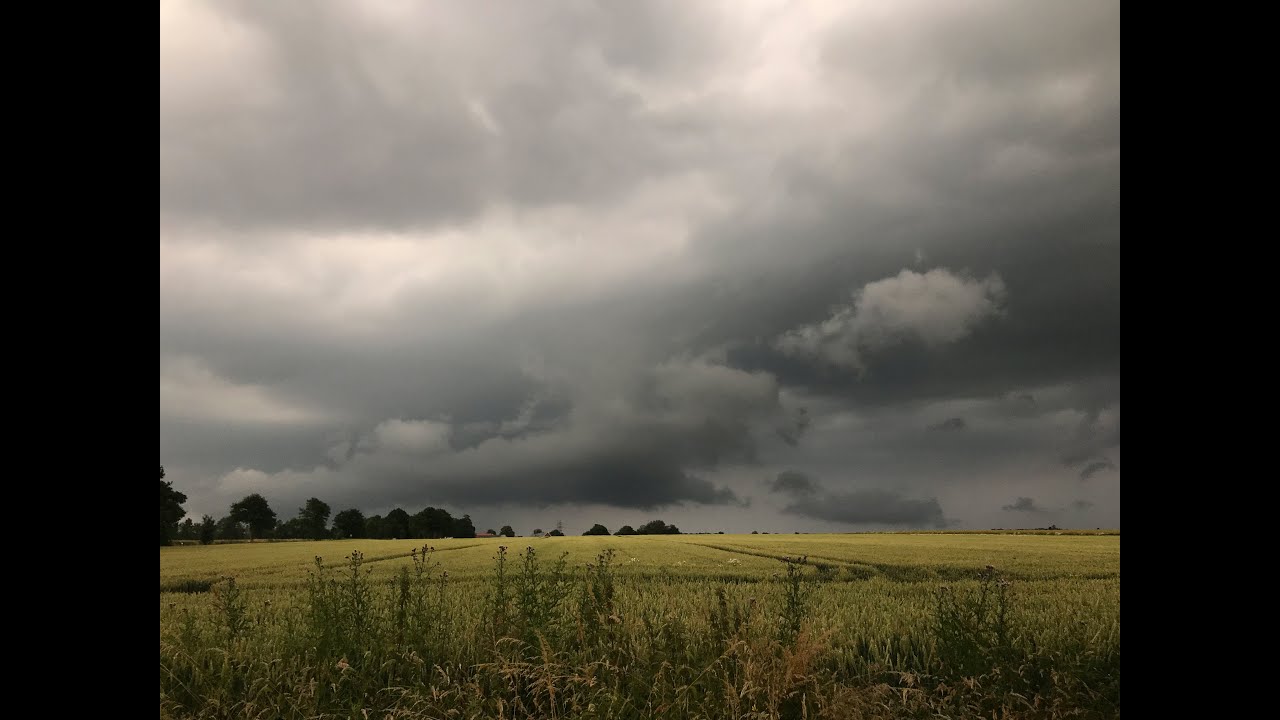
[538, 639]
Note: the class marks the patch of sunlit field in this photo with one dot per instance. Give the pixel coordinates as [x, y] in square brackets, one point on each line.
[894, 557]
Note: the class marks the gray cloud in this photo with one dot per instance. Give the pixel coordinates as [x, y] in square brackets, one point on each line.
[949, 425]
[870, 507]
[640, 255]
[795, 427]
[332, 115]
[1095, 434]
[1024, 504]
[933, 308]
[793, 483]
[681, 419]
[1081, 505]
[1095, 467]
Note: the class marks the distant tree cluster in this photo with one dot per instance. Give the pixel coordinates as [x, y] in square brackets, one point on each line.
[429, 523]
[653, 527]
[252, 518]
[657, 527]
[312, 522]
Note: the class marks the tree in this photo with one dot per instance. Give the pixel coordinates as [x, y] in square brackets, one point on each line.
[208, 528]
[555, 533]
[187, 530]
[432, 523]
[626, 530]
[229, 529]
[170, 509]
[755, 532]
[396, 524]
[597, 529]
[491, 531]
[291, 529]
[537, 531]
[657, 527]
[506, 531]
[464, 528]
[349, 524]
[314, 519]
[256, 513]
[374, 527]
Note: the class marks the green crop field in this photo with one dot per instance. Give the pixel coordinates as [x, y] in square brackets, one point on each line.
[688, 626]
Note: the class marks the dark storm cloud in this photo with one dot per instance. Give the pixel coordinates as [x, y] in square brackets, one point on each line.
[870, 507]
[545, 255]
[1024, 504]
[967, 111]
[1058, 326]
[395, 117]
[1081, 505]
[680, 420]
[1095, 434]
[791, 482]
[1096, 467]
[949, 425]
[791, 432]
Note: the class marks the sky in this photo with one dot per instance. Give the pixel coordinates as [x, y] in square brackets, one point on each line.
[738, 265]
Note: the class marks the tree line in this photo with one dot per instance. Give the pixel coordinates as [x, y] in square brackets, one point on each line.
[252, 518]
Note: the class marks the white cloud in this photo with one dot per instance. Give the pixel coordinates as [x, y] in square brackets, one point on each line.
[936, 308]
[416, 436]
[189, 390]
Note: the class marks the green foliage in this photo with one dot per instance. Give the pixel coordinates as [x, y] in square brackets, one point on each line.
[506, 531]
[420, 600]
[537, 596]
[228, 529]
[498, 615]
[464, 528]
[170, 510]
[349, 524]
[657, 527]
[597, 612]
[230, 603]
[254, 512]
[186, 530]
[597, 529]
[340, 607]
[396, 524]
[208, 529]
[313, 519]
[794, 600]
[973, 628]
